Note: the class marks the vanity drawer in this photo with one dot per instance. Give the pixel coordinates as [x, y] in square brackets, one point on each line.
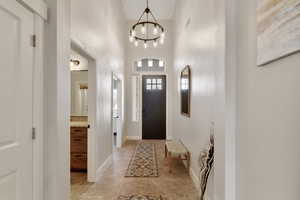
[78, 161]
[78, 130]
[78, 145]
[78, 140]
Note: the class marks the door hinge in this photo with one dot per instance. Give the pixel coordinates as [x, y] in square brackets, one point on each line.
[33, 133]
[33, 40]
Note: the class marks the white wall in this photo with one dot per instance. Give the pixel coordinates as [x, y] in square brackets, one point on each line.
[100, 33]
[268, 118]
[164, 52]
[57, 101]
[195, 32]
[200, 42]
[99, 29]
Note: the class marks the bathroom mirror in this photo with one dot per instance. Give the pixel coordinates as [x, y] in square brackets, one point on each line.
[185, 91]
[79, 93]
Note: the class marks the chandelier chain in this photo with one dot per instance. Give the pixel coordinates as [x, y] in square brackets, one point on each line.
[153, 17]
[141, 17]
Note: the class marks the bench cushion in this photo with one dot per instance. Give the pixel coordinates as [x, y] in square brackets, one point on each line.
[176, 148]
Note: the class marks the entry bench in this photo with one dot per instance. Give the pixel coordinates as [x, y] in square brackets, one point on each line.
[175, 150]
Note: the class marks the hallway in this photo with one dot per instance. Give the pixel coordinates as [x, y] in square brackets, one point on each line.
[95, 94]
[112, 184]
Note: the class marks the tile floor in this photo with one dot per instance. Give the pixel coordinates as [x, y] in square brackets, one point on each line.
[175, 186]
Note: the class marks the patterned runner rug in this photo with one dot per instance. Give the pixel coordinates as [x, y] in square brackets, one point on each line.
[144, 162]
[140, 197]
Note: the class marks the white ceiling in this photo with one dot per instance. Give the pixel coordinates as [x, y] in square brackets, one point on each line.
[162, 9]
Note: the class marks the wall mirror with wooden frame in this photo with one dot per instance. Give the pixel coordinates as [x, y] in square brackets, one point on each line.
[185, 91]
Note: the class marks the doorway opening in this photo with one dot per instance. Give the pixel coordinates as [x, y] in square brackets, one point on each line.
[117, 109]
[154, 107]
[82, 117]
[79, 117]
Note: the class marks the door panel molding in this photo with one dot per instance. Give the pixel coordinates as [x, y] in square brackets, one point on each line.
[17, 74]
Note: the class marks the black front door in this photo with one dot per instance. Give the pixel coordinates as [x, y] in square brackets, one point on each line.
[154, 107]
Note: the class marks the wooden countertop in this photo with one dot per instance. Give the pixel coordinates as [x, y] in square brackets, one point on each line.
[79, 124]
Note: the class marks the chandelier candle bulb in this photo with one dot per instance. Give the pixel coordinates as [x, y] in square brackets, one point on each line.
[155, 30]
[145, 45]
[143, 29]
[131, 38]
[163, 35]
[162, 40]
[155, 44]
[136, 43]
[133, 33]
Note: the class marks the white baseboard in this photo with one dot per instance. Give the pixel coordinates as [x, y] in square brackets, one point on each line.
[195, 179]
[107, 163]
[139, 138]
[133, 138]
[193, 176]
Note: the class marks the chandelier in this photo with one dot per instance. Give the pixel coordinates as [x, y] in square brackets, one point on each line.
[147, 30]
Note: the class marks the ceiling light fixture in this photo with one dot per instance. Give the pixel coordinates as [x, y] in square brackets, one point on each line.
[74, 62]
[149, 29]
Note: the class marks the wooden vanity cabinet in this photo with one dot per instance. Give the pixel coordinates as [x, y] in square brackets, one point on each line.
[78, 143]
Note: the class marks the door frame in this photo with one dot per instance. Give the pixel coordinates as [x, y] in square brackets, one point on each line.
[91, 154]
[39, 10]
[121, 110]
[141, 104]
[168, 134]
[38, 109]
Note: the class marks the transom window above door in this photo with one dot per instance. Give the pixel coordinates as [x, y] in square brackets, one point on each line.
[149, 65]
[154, 84]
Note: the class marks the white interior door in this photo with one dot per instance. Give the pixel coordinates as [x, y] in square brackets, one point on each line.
[16, 69]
